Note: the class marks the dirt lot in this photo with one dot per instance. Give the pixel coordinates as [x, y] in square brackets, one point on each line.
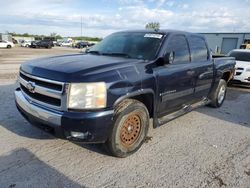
[205, 148]
[10, 59]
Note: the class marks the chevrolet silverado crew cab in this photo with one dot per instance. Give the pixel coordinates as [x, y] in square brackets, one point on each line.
[109, 94]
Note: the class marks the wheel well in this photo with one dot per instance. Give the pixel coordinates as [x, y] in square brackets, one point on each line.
[148, 101]
[226, 76]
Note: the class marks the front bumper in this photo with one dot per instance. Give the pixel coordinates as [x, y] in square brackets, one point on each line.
[240, 83]
[243, 78]
[95, 125]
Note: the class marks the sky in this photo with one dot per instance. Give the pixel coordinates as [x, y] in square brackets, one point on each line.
[103, 17]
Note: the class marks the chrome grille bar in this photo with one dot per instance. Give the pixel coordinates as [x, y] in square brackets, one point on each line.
[43, 91]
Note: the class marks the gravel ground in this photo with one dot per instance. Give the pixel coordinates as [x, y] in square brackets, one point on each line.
[205, 148]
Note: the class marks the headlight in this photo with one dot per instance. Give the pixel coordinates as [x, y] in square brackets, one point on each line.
[87, 95]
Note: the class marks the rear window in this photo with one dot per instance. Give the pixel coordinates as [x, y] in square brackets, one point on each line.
[240, 56]
[198, 48]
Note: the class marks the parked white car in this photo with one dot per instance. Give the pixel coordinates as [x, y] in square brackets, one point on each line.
[67, 44]
[242, 67]
[6, 44]
[26, 44]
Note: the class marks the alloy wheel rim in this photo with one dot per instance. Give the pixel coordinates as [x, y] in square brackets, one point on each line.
[221, 94]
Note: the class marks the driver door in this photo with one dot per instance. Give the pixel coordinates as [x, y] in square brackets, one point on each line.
[176, 81]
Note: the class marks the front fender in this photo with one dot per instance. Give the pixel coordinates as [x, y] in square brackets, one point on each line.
[134, 94]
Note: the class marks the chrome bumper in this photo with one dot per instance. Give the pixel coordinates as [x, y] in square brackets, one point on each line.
[51, 118]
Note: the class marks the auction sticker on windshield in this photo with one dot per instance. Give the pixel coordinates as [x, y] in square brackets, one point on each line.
[153, 35]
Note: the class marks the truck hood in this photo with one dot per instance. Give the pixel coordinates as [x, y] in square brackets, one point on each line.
[74, 68]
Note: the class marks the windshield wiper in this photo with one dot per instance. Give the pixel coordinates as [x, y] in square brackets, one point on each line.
[117, 54]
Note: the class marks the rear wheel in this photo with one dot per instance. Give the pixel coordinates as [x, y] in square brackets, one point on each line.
[130, 128]
[219, 95]
[8, 46]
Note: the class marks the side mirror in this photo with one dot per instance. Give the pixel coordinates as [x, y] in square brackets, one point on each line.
[169, 58]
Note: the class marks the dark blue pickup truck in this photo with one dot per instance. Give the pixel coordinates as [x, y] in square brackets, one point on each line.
[109, 94]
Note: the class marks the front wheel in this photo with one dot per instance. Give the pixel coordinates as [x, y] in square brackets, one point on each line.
[219, 95]
[9, 46]
[130, 128]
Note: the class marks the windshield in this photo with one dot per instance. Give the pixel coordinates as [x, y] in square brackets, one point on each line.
[139, 45]
[240, 56]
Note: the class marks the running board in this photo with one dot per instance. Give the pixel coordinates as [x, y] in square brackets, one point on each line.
[182, 111]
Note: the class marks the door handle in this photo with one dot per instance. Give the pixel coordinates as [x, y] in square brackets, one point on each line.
[190, 72]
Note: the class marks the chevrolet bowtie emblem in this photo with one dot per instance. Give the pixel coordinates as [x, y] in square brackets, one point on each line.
[31, 86]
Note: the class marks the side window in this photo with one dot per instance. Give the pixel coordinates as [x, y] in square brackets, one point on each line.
[198, 48]
[178, 45]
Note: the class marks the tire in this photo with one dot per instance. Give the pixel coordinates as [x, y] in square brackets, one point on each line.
[219, 95]
[27, 46]
[130, 128]
[9, 46]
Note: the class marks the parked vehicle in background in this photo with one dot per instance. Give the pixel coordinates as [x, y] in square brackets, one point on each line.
[42, 44]
[246, 44]
[82, 45]
[33, 44]
[67, 44]
[6, 44]
[58, 43]
[109, 94]
[14, 41]
[242, 72]
[26, 44]
[91, 44]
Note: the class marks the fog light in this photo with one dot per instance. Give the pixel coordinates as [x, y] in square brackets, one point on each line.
[79, 135]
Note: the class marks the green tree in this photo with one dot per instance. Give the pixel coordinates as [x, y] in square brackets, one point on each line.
[26, 35]
[153, 25]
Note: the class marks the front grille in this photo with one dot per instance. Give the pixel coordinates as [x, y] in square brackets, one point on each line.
[43, 98]
[238, 73]
[45, 92]
[57, 87]
[239, 68]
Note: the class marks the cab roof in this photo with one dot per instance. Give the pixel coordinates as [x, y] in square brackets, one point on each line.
[161, 31]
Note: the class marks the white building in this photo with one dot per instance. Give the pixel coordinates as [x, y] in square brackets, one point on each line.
[6, 37]
[21, 39]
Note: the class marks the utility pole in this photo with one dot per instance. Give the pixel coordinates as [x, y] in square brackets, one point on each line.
[81, 28]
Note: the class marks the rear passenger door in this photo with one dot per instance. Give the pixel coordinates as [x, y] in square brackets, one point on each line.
[202, 66]
[176, 80]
